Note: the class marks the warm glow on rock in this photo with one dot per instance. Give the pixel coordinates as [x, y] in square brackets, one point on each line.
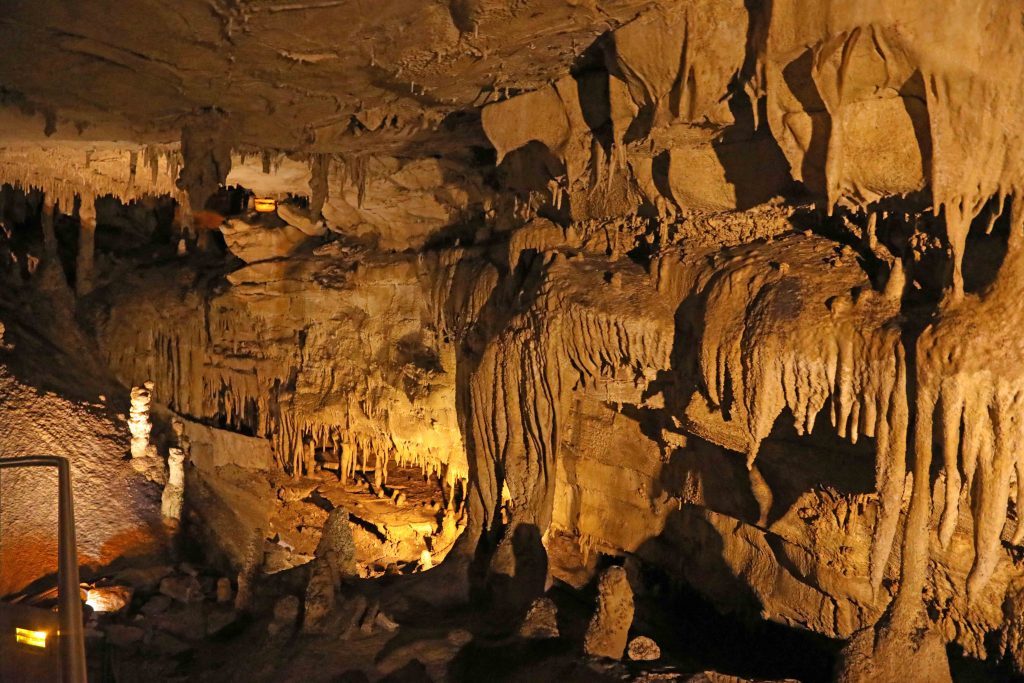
[108, 598]
[26, 636]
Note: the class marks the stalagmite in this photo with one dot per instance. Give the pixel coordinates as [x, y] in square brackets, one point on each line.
[145, 460]
[138, 419]
[174, 490]
[48, 214]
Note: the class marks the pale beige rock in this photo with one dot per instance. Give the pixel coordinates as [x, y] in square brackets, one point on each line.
[210, 448]
[296, 218]
[254, 242]
[109, 598]
[643, 649]
[608, 630]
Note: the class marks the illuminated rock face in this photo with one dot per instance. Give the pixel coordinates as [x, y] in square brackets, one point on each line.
[731, 288]
[138, 420]
[116, 510]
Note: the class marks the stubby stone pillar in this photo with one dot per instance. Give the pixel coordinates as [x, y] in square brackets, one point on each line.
[145, 460]
[138, 419]
[608, 631]
[174, 491]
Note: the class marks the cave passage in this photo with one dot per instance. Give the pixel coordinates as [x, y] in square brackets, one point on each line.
[550, 340]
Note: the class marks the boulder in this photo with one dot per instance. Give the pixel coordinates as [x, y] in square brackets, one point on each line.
[286, 612]
[182, 588]
[643, 649]
[166, 644]
[297, 218]
[220, 618]
[255, 241]
[187, 622]
[144, 578]
[608, 631]
[541, 620]
[109, 598]
[122, 635]
[157, 604]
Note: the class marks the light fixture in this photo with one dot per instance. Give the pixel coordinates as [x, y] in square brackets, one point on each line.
[29, 637]
[265, 205]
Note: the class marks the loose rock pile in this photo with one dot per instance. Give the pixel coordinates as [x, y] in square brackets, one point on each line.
[170, 610]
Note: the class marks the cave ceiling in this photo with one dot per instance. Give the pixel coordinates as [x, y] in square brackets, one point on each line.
[298, 75]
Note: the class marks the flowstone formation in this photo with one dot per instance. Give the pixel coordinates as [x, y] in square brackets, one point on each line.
[472, 299]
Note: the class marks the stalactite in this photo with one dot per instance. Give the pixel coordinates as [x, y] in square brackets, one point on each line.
[764, 348]
[64, 171]
[562, 334]
[976, 393]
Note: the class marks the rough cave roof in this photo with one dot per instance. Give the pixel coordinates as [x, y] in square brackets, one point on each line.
[290, 74]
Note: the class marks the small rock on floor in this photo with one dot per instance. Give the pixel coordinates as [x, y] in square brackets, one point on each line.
[182, 588]
[643, 649]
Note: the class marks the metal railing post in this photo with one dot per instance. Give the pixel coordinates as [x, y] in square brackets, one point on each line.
[69, 599]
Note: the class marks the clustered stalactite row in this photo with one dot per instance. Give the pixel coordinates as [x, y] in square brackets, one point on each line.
[560, 336]
[771, 342]
[950, 132]
[222, 360]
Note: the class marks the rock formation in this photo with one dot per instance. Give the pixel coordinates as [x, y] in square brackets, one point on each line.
[174, 490]
[643, 649]
[727, 289]
[608, 631]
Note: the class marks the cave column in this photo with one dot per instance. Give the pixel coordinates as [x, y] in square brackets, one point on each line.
[50, 274]
[86, 246]
[46, 220]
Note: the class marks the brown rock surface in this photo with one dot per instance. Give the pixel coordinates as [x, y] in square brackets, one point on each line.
[608, 630]
[729, 288]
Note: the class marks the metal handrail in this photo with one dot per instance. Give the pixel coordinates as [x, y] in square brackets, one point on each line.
[69, 599]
